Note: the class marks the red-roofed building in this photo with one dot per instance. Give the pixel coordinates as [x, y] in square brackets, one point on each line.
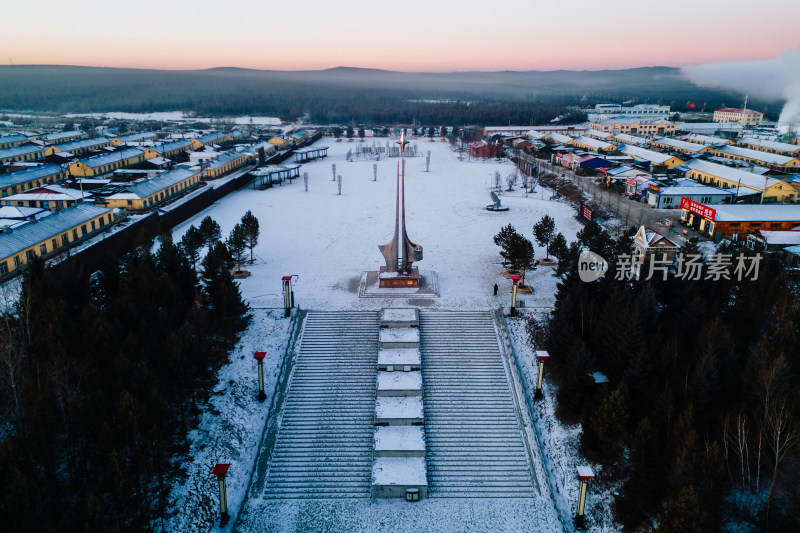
[485, 149]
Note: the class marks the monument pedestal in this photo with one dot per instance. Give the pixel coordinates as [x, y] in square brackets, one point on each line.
[396, 280]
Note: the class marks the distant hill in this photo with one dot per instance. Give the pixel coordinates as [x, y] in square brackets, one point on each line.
[344, 94]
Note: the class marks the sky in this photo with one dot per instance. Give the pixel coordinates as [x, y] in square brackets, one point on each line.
[410, 35]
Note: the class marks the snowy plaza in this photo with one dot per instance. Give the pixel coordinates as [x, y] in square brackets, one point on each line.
[484, 468]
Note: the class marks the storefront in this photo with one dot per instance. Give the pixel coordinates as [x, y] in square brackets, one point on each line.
[697, 216]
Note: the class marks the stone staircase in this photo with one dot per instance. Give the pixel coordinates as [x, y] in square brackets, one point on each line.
[324, 446]
[473, 436]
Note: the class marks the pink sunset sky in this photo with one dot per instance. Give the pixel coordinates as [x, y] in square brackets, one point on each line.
[411, 35]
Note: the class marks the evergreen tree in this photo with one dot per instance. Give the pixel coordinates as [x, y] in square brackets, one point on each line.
[210, 231]
[191, 243]
[544, 231]
[251, 232]
[520, 255]
[349, 132]
[502, 239]
[361, 132]
[236, 243]
[227, 309]
[559, 247]
[683, 514]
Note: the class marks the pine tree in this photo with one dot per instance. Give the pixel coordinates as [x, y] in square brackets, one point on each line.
[191, 243]
[544, 231]
[502, 239]
[210, 231]
[683, 514]
[236, 243]
[520, 254]
[559, 247]
[251, 232]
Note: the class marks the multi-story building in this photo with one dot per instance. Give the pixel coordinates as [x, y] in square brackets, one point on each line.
[745, 117]
[635, 126]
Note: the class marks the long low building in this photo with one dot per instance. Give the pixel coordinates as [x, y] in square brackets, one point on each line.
[773, 147]
[155, 191]
[167, 149]
[30, 178]
[50, 197]
[51, 234]
[139, 137]
[593, 145]
[709, 140]
[725, 177]
[767, 159]
[25, 152]
[106, 163]
[655, 158]
[624, 138]
[59, 137]
[684, 147]
[736, 220]
[670, 197]
[11, 140]
[224, 164]
[79, 147]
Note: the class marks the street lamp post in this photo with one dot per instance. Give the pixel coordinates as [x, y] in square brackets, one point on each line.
[541, 356]
[584, 475]
[220, 470]
[515, 279]
[259, 356]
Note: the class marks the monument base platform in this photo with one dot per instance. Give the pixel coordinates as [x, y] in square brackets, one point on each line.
[395, 280]
[369, 287]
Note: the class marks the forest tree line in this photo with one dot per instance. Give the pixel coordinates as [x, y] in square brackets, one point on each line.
[699, 417]
[353, 95]
[102, 377]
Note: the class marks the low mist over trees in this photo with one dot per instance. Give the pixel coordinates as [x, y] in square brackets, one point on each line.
[345, 95]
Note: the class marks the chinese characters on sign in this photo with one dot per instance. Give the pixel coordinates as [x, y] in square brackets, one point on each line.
[698, 209]
[688, 267]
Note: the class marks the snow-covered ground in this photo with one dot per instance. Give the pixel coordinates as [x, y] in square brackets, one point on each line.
[560, 442]
[180, 116]
[329, 241]
[230, 429]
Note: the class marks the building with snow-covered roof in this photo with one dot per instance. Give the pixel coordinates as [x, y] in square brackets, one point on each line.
[708, 140]
[745, 117]
[168, 149]
[771, 240]
[150, 193]
[737, 219]
[139, 137]
[758, 157]
[51, 197]
[23, 180]
[558, 138]
[683, 147]
[650, 111]
[106, 163]
[625, 138]
[654, 158]
[59, 137]
[635, 126]
[51, 234]
[648, 241]
[725, 177]
[223, 164]
[215, 137]
[625, 171]
[602, 135]
[485, 149]
[11, 140]
[24, 152]
[238, 134]
[593, 145]
[78, 147]
[661, 197]
[791, 150]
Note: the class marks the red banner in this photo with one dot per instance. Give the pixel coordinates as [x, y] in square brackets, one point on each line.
[698, 209]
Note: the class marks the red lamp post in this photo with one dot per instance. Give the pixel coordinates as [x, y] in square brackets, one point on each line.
[259, 356]
[541, 356]
[220, 470]
[288, 294]
[515, 279]
[584, 475]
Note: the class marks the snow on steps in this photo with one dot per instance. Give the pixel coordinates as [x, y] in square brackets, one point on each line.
[325, 441]
[474, 442]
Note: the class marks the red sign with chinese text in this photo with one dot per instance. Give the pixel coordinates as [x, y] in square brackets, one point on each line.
[586, 212]
[698, 209]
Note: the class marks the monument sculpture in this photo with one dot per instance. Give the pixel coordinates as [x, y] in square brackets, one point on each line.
[400, 270]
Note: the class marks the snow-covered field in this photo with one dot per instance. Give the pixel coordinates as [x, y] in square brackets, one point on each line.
[329, 241]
